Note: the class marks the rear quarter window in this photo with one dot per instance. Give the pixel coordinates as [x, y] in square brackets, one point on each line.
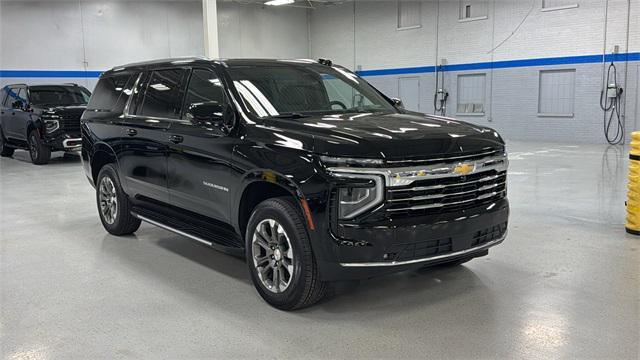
[109, 90]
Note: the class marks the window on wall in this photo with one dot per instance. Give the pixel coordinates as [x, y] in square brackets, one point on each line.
[549, 5]
[557, 92]
[409, 14]
[471, 90]
[473, 10]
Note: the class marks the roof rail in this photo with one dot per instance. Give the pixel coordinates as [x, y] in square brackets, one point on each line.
[18, 84]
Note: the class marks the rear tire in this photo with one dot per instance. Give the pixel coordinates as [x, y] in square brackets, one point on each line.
[114, 206]
[40, 153]
[5, 151]
[288, 249]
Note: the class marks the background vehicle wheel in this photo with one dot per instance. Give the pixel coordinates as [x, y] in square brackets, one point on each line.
[114, 206]
[279, 256]
[5, 151]
[40, 153]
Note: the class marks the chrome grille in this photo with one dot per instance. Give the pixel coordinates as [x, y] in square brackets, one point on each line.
[442, 195]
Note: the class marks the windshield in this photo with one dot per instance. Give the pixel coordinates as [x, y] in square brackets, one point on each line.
[58, 95]
[300, 90]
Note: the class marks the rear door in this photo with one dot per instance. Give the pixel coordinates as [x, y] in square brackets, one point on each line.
[200, 154]
[144, 151]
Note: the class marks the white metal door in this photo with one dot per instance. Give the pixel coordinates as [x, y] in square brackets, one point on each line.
[409, 92]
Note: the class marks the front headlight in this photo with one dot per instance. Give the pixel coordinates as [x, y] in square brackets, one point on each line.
[355, 199]
[51, 125]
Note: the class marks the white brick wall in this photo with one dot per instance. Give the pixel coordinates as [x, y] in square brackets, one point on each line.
[48, 35]
[512, 94]
[332, 34]
[569, 32]
[262, 31]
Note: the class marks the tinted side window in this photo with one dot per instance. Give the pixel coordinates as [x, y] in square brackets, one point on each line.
[12, 96]
[163, 96]
[22, 95]
[204, 86]
[108, 91]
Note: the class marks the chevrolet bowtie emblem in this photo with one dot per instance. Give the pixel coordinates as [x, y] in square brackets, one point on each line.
[464, 169]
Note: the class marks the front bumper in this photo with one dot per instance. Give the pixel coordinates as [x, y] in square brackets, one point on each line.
[365, 251]
[64, 141]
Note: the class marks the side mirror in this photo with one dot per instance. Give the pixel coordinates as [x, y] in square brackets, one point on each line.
[397, 103]
[210, 113]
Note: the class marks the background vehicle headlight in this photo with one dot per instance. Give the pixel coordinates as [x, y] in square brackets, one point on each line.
[355, 200]
[51, 125]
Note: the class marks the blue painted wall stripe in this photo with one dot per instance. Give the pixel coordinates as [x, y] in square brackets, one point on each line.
[584, 59]
[566, 60]
[49, 74]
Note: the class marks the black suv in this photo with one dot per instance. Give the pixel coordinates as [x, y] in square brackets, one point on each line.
[41, 119]
[300, 166]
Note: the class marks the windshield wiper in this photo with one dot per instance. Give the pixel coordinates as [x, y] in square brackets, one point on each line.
[290, 115]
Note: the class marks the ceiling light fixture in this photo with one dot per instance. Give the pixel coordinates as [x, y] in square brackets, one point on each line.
[279, 2]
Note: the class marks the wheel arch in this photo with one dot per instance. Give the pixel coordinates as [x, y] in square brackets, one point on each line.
[101, 156]
[261, 185]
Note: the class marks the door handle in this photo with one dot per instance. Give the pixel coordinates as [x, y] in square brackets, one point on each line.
[176, 139]
[132, 132]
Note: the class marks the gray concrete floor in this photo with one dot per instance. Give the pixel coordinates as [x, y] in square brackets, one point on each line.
[565, 284]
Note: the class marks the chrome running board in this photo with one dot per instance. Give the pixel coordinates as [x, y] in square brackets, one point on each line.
[174, 230]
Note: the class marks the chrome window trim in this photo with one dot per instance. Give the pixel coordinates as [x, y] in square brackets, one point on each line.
[432, 258]
[134, 91]
[402, 176]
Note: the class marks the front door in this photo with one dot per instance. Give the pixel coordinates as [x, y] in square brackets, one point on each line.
[143, 156]
[21, 116]
[200, 154]
[5, 110]
[12, 113]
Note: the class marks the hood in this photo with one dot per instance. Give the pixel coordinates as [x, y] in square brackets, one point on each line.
[392, 136]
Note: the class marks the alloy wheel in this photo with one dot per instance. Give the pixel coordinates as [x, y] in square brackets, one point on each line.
[108, 200]
[272, 255]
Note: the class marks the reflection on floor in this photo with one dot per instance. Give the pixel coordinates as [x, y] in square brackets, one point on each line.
[564, 284]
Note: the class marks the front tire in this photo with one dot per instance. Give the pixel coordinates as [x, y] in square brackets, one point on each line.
[114, 206]
[39, 152]
[5, 151]
[279, 256]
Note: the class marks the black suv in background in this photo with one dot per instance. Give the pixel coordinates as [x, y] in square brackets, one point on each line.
[301, 167]
[41, 119]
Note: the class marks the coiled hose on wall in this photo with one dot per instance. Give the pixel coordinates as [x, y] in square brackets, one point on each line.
[611, 105]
